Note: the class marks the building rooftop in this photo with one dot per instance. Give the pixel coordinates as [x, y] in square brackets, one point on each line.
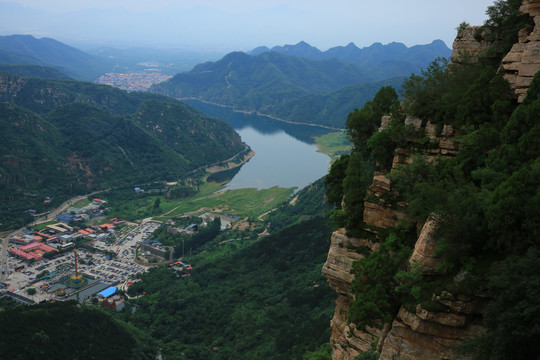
[108, 292]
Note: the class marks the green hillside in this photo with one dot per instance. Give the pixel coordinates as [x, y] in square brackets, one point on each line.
[279, 85]
[263, 299]
[66, 138]
[26, 49]
[37, 71]
[67, 330]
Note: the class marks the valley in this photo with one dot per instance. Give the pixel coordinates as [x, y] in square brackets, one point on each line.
[375, 203]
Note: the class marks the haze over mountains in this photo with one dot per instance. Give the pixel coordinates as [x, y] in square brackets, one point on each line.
[300, 83]
[393, 59]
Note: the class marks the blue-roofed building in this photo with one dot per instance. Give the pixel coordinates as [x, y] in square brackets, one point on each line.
[108, 292]
[65, 218]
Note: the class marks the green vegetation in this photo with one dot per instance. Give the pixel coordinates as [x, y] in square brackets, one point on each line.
[67, 330]
[333, 144]
[38, 54]
[127, 204]
[265, 301]
[36, 71]
[78, 137]
[240, 202]
[300, 83]
[484, 199]
[252, 298]
[287, 87]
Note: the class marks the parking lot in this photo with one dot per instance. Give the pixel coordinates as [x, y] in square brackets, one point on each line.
[96, 265]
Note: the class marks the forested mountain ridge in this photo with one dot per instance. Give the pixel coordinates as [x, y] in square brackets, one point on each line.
[277, 85]
[26, 49]
[393, 59]
[66, 138]
[438, 203]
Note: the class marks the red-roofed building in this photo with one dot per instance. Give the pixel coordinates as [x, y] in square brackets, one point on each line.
[45, 236]
[90, 231]
[31, 251]
[85, 233]
[21, 254]
[29, 247]
[47, 248]
[107, 226]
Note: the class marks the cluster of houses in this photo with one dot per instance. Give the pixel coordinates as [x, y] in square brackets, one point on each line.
[55, 237]
[91, 211]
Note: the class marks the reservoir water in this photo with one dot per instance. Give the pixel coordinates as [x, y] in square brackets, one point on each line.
[285, 154]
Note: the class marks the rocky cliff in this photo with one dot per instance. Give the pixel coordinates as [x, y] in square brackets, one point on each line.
[435, 330]
[523, 61]
[414, 333]
[520, 64]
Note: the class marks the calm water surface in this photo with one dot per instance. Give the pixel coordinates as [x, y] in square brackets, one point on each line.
[285, 154]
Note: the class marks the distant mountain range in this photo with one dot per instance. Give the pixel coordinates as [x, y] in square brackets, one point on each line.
[394, 59]
[300, 83]
[45, 52]
[65, 138]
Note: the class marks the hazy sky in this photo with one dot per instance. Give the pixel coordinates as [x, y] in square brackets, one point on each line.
[240, 24]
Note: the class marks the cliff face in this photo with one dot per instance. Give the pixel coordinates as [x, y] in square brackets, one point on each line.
[523, 61]
[420, 334]
[469, 44]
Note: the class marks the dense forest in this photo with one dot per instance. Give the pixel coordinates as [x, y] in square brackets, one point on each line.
[67, 330]
[485, 198]
[67, 138]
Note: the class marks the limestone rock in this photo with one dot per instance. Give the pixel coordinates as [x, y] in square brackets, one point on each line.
[469, 45]
[523, 60]
[347, 342]
[424, 255]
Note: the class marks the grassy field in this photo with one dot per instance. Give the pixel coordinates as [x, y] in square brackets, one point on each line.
[241, 202]
[81, 204]
[211, 197]
[333, 144]
[42, 226]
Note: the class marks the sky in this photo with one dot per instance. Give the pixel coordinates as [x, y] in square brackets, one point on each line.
[207, 25]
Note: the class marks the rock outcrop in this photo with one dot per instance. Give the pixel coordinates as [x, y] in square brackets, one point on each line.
[437, 328]
[415, 333]
[347, 342]
[523, 60]
[469, 45]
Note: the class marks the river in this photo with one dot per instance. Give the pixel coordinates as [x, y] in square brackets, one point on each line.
[285, 154]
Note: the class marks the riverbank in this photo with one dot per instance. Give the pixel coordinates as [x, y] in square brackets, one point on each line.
[231, 163]
[253, 112]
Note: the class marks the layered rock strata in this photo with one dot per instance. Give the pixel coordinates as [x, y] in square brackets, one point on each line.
[469, 45]
[523, 60]
[414, 333]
